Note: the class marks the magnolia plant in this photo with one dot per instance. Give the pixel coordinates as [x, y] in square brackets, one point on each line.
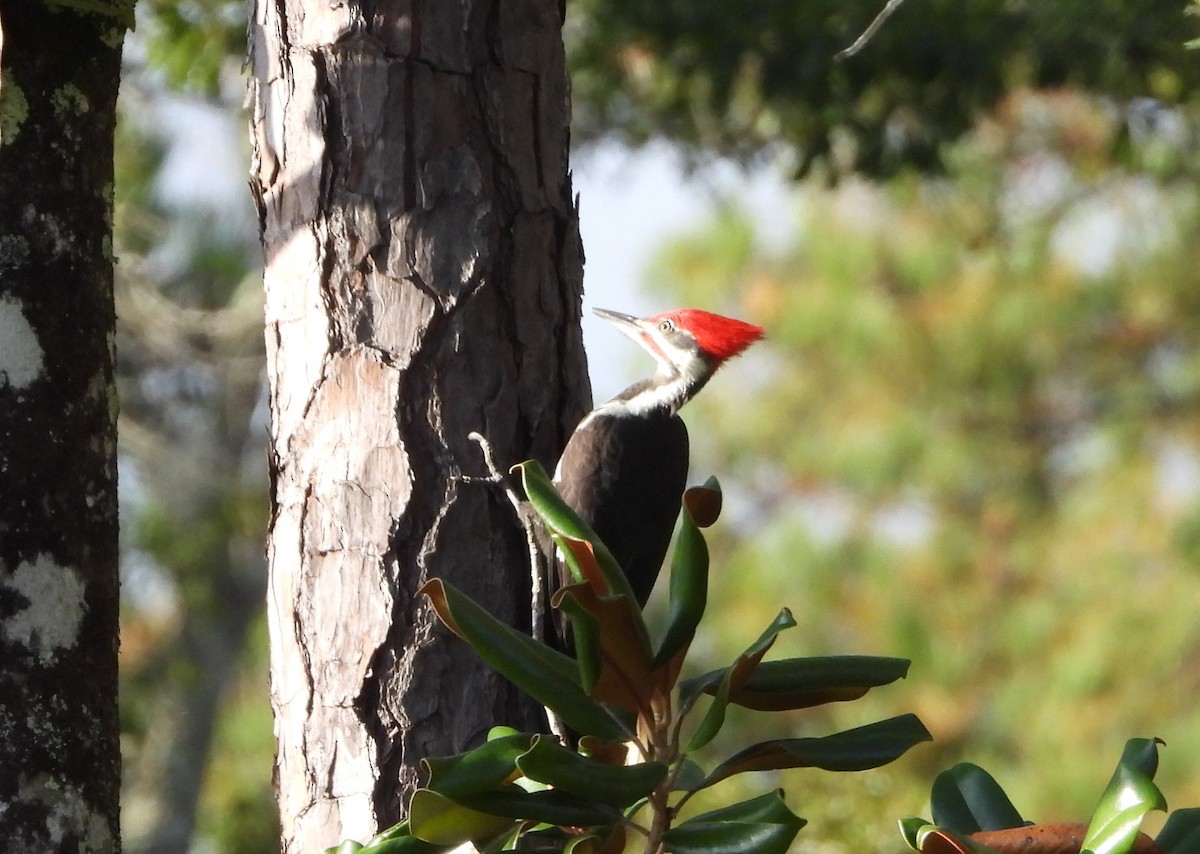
[973, 815]
[640, 731]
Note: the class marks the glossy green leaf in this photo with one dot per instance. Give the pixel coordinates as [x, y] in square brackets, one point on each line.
[965, 799]
[1142, 753]
[921, 835]
[1181, 833]
[1115, 823]
[550, 805]
[440, 821]
[855, 749]
[722, 683]
[910, 829]
[399, 830]
[740, 670]
[585, 635]
[689, 589]
[548, 676]
[563, 521]
[397, 839]
[689, 776]
[624, 676]
[762, 825]
[799, 683]
[714, 716]
[619, 785]
[486, 767]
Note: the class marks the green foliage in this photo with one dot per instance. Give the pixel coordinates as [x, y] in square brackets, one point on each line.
[191, 42]
[721, 76]
[974, 425]
[636, 765]
[973, 814]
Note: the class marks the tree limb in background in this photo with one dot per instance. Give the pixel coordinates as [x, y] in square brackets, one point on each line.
[861, 42]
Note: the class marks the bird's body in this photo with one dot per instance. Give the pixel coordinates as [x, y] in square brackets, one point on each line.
[651, 451]
[625, 467]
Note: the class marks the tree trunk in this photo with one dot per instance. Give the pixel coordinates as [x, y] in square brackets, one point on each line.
[59, 745]
[423, 280]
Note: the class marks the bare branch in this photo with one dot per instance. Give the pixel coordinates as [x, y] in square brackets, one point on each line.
[538, 596]
[870, 31]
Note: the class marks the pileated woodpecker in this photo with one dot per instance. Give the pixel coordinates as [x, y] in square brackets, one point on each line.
[625, 467]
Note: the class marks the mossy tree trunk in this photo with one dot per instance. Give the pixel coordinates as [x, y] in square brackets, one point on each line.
[59, 746]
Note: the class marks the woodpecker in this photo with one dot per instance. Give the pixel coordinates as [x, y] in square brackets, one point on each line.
[625, 467]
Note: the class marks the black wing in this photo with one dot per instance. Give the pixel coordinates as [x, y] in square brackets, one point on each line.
[625, 476]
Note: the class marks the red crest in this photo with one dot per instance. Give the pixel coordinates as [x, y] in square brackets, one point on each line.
[719, 337]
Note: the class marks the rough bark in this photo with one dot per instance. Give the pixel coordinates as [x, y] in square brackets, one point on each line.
[423, 281]
[59, 744]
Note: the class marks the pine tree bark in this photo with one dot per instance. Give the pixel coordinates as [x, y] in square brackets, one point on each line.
[59, 745]
[423, 280]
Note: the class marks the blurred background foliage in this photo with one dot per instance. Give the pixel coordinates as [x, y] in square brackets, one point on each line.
[975, 442]
[973, 439]
[733, 78]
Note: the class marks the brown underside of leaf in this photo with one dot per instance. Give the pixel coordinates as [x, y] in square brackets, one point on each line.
[704, 505]
[1056, 838]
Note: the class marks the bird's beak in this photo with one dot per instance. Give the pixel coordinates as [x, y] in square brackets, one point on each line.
[627, 323]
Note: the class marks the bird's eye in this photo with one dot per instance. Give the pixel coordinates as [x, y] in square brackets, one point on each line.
[666, 326]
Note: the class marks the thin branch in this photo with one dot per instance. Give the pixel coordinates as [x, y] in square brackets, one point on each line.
[870, 31]
[537, 604]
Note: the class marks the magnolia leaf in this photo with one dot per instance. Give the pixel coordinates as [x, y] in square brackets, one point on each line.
[608, 752]
[1181, 833]
[713, 719]
[798, 683]
[1115, 824]
[855, 749]
[740, 670]
[1051, 837]
[722, 683]
[551, 806]
[965, 799]
[585, 636]
[624, 672]
[1142, 753]
[689, 588]
[438, 820]
[688, 776]
[921, 835]
[488, 766]
[703, 503]
[618, 785]
[762, 825]
[548, 676]
[562, 521]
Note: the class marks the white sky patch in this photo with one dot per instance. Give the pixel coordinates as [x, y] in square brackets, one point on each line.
[904, 524]
[50, 621]
[21, 357]
[1125, 221]
[1177, 475]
